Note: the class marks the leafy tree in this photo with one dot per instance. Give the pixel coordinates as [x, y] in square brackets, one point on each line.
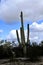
[34, 44]
[1, 42]
[41, 43]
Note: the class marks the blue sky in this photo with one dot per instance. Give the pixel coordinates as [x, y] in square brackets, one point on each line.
[10, 18]
[8, 30]
[7, 27]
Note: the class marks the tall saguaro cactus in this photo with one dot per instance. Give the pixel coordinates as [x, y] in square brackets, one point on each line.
[23, 44]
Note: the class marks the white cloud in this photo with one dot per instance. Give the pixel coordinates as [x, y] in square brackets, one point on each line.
[36, 33]
[37, 27]
[12, 35]
[1, 31]
[10, 9]
[0, 39]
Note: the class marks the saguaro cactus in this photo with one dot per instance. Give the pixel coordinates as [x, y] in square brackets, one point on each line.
[23, 44]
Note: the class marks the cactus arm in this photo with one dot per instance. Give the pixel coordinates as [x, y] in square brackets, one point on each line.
[27, 33]
[18, 37]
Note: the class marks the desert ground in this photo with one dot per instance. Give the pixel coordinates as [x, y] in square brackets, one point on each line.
[19, 62]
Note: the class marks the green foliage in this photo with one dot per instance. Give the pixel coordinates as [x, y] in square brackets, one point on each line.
[6, 50]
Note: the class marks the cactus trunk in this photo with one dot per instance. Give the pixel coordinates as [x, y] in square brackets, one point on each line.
[22, 42]
[22, 28]
[22, 35]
